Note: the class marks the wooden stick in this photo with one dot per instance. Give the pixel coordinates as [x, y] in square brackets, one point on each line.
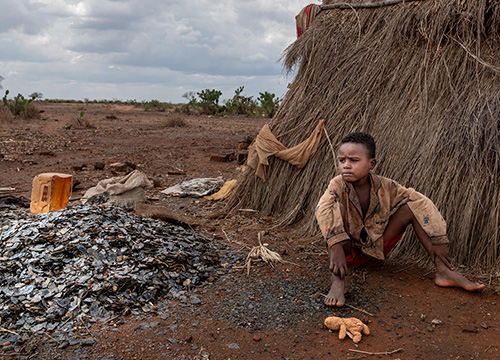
[354, 308]
[9, 331]
[489, 347]
[376, 354]
[370, 5]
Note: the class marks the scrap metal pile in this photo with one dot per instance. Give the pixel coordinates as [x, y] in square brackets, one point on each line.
[91, 263]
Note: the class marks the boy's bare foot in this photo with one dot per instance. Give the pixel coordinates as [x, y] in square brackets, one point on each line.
[335, 296]
[445, 277]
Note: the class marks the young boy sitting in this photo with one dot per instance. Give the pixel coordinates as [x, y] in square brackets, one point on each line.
[362, 216]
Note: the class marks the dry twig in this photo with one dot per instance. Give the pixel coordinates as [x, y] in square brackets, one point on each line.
[263, 253]
[376, 353]
[354, 308]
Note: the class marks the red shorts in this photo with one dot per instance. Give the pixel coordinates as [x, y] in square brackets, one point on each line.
[356, 258]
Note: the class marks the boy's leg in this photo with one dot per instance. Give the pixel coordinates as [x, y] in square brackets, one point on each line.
[445, 275]
[338, 268]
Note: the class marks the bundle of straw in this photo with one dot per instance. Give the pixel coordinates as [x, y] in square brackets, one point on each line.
[262, 252]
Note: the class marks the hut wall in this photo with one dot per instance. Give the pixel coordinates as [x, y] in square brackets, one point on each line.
[424, 79]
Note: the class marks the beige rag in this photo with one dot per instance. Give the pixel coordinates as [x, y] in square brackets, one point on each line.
[266, 144]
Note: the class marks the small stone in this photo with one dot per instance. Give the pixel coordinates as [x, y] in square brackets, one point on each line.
[99, 166]
[233, 346]
[484, 325]
[194, 300]
[88, 342]
[469, 329]
[436, 322]
[257, 338]
[430, 329]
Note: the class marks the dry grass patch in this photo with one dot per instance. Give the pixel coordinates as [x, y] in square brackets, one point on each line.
[6, 116]
[175, 121]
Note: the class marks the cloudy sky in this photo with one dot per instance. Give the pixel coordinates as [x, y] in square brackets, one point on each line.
[144, 49]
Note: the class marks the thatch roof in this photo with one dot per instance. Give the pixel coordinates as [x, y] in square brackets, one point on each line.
[424, 79]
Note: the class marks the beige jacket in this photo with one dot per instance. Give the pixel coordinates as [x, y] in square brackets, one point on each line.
[386, 196]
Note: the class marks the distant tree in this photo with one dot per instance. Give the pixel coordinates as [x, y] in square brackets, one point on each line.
[1, 79]
[36, 95]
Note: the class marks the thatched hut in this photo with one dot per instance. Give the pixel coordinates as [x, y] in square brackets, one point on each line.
[423, 77]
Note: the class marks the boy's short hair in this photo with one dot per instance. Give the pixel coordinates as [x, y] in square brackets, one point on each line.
[361, 138]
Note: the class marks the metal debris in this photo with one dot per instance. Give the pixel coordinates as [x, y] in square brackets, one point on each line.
[92, 263]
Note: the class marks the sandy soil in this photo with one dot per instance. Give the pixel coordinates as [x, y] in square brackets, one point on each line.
[273, 313]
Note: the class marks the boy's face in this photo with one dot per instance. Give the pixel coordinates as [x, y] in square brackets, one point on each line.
[354, 162]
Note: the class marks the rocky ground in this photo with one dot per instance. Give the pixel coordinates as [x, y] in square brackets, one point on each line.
[222, 312]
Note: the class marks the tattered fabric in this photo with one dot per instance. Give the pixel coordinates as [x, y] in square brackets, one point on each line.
[305, 17]
[266, 144]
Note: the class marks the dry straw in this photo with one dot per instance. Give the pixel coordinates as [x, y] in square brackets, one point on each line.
[423, 77]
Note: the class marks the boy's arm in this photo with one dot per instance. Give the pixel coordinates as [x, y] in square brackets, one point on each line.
[329, 216]
[424, 210]
[338, 261]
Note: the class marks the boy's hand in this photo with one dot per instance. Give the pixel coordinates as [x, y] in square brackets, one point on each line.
[338, 263]
[442, 253]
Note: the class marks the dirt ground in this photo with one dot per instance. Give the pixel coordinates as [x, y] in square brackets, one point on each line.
[273, 313]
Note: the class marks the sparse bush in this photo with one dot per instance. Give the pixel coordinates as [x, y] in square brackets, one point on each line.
[155, 105]
[36, 95]
[5, 115]
[21, 107]
[209, 101]
[239, 104]
[175, 121]
[269, 103]
[78, 122]
[192, 102]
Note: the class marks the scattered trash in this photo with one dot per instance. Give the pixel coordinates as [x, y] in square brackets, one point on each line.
[224, 192]
[121, 191]
[7, 189]
[195, 187]
[124, 167]
[12, 202]
[50, 192]
[436, 322]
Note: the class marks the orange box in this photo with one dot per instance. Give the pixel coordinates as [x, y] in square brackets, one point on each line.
[51, 192]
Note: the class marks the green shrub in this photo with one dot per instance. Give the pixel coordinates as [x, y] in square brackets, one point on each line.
[155, 105]
[269, 103]
[21, 107]
[209, 101]
[78, 122]
[192, 103]
[239, 104]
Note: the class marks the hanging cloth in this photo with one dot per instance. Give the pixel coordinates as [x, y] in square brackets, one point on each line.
[305, 18]
[266, 144]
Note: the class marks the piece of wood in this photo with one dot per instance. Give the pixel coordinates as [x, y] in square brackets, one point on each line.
[370, 5]
[159, 212]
